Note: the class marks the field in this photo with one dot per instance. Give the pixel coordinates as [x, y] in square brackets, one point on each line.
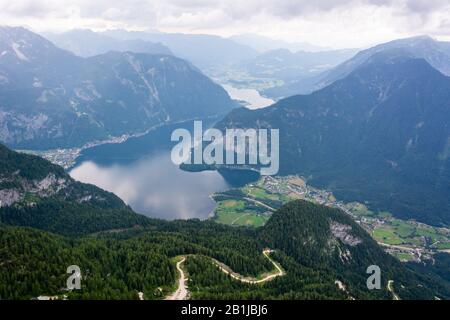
[253, 204]
[239, 213]
[404, 257]
[399, 232]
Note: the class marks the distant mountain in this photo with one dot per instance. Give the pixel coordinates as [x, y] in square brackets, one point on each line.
[436, 53]
[86, 43]
[285, 65]
[204, 51]
[380, 135]
[36, 193]
[51, 98]
[262, 43]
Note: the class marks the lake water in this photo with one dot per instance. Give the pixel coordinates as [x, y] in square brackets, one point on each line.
[141, 173]
[252, 97]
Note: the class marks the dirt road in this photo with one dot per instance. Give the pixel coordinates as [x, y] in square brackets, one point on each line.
[279, 271]
[390, 288]
[181, 293]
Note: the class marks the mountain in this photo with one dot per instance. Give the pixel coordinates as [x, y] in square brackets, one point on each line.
[49, 221]
[326, 238]
[204, 51]
[51, 98]
[86, 43]
[324, 255]
[379, 135]
[285, 65]
[436, 53]
[36, 193]
[262, 44]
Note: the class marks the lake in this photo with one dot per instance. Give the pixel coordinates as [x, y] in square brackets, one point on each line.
[141, 173]
[252, 97]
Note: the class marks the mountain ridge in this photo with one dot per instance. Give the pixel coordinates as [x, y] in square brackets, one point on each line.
[51, 98]
[86, 43]
[437, 53]
[387, 122]
[39, 194]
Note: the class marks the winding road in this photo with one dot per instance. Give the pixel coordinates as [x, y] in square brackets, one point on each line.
[182, 293]
[390, 288]
[279, 271]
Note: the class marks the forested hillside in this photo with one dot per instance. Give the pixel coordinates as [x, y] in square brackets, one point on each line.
[121, 253]
[51, 98]
[36, 193]
[379, 136]
[118, 265]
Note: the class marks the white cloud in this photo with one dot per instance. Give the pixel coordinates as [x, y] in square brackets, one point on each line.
[339, 23]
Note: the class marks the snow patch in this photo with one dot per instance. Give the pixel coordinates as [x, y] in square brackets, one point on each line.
[19, 53]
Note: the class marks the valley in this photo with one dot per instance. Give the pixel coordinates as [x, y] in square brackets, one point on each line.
[253, 204]
[359, 145]
[71, 222]
[354, 138]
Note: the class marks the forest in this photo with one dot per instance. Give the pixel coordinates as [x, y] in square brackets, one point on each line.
[119, 264]
[53, 222]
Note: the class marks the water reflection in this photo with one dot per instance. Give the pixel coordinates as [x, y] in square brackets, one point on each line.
[155, 186]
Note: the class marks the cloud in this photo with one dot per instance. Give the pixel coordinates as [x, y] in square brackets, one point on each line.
[326, 22]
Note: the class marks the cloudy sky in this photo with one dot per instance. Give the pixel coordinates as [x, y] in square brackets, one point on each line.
[335, 23]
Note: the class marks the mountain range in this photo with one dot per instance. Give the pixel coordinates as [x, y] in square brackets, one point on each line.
[257, 56]
[263, 44]
[87, 43]
[436, 53]
[204, 51]
[52, 98]
[381, 135]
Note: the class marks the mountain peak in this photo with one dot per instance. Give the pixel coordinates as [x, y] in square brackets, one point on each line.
[20, 45]
[47, 93]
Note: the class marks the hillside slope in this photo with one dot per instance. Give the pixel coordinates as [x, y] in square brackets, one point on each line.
[51, 98]
[323, 253]
[436, 53]
[380, 135]
[36, 193]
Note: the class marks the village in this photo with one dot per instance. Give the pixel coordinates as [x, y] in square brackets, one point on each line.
[406, 240]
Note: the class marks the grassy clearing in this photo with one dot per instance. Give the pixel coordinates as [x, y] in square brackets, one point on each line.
[252, 220]
[443, 246]
[259, 193]
[396, 232]
[404, 257]
[386, 234]
[243, 211]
